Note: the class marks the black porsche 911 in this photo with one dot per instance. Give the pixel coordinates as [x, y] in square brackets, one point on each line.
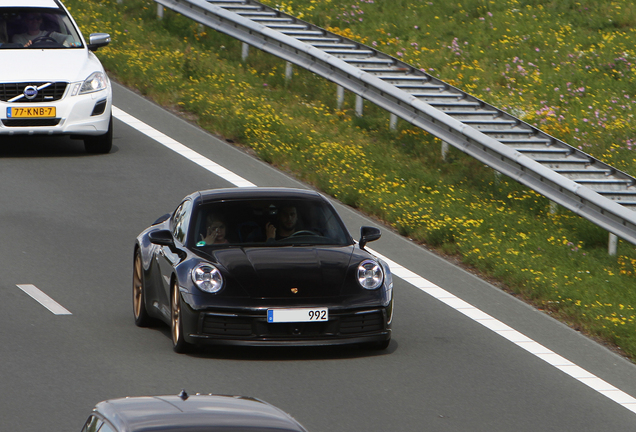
[261, 266]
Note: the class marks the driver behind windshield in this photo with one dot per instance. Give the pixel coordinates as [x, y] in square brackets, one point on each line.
[34, 34]
[286, 224]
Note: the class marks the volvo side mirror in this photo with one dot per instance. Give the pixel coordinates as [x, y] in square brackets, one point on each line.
[98, 40]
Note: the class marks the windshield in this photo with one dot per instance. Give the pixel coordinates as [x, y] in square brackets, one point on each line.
[27, 28]
[268, 223]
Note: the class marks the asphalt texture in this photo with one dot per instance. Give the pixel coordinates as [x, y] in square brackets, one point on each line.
[68, 221]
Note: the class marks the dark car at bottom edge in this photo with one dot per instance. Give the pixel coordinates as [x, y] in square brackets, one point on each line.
[261, 266]
[196, 413]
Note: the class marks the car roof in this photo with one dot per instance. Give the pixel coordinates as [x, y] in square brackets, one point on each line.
[30, 3]
[163, 413]
[257, 193]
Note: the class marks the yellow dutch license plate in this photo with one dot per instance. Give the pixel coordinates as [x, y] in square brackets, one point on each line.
[30, 112]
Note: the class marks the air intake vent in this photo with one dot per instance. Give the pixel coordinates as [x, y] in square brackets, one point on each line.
[227, 326]
[30, 122]
[362, 323]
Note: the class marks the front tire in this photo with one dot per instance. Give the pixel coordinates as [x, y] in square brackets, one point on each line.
[100, 144]
[142, 318]
[179, 345]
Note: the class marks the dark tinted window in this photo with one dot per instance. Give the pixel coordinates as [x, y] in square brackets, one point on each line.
[180, 221]
[92, 424]
[268, 223]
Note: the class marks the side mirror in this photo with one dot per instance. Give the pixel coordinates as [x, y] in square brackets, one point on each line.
[98, 40]
[161, 238]
[368, 234]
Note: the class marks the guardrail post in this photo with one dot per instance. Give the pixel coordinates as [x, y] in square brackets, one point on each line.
[359, 105]
[497, 177]
[340, 97]
[393, 122]
[245, 50]
[612, 244]
[159, 11]
[444, 150]
[553, 207]
[289, 71]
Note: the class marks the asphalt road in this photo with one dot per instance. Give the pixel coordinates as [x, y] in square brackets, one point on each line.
[68, 221]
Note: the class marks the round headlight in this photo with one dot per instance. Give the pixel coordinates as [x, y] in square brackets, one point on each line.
[207, 278]
[370, 275]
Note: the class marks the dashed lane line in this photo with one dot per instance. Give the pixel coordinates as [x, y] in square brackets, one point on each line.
[44, 299]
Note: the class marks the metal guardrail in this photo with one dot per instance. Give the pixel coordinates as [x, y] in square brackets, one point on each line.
[560, 172]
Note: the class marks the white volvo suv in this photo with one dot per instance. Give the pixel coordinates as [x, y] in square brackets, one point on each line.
[51, 83]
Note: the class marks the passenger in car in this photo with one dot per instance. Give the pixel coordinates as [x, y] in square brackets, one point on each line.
[34, 34]
[216, 231]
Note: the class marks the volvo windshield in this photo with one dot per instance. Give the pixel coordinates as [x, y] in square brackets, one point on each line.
[41, 28]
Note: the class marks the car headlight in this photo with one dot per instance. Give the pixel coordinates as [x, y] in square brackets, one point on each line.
[95, 82]
[207, 278]
[370, 275]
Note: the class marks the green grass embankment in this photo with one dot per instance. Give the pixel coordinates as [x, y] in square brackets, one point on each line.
[564, 66]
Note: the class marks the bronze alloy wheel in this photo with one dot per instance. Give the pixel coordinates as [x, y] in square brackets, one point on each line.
[176, 325]
[137, 288]
[175, 315]
[142, 319]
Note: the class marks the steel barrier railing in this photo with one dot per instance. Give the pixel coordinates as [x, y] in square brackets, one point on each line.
[560, 172]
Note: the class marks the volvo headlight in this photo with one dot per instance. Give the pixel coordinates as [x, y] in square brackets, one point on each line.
[370, 275]
[95, 82]
[207, 278]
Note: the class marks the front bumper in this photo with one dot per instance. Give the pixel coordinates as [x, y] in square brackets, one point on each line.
[250, 327]
[81, 115]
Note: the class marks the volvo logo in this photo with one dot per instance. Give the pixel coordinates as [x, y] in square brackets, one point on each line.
[30, 92]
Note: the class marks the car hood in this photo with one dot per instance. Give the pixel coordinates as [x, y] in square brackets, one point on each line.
[287, 272]
[47, 65]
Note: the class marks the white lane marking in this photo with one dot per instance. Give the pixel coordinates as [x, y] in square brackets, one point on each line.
[43, 299]
[430, 288]
[519, 339]
[179, 148]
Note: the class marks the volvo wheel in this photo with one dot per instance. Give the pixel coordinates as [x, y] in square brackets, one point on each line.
[100, 144]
